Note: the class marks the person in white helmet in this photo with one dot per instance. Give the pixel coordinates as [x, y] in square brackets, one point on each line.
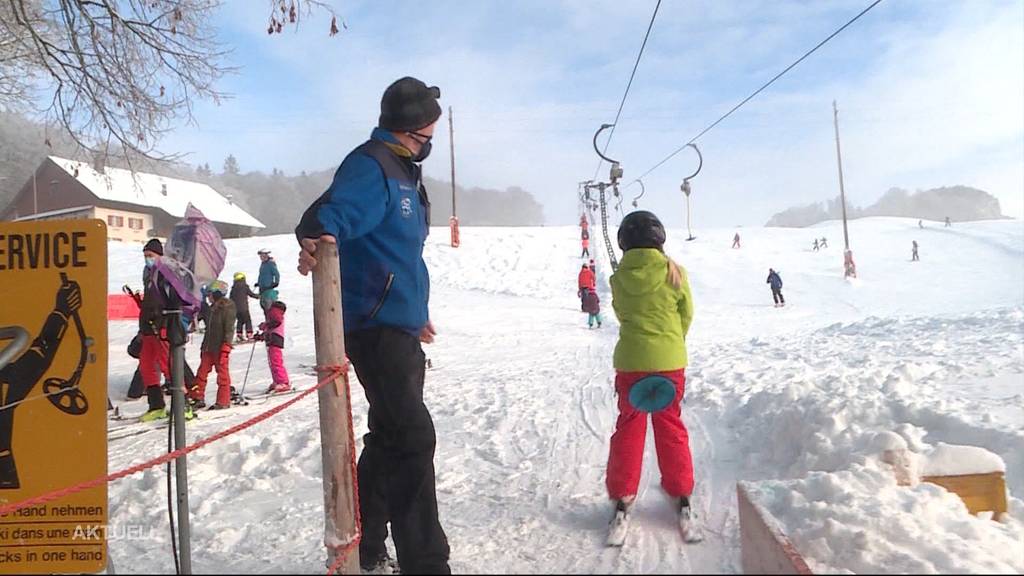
[267, 280]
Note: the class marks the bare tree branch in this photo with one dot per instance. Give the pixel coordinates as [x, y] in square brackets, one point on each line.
[119, 74]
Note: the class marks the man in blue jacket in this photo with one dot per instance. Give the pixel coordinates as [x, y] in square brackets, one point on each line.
[378, 212]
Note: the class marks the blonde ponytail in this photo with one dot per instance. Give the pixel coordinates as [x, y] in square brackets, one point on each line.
[675, 274]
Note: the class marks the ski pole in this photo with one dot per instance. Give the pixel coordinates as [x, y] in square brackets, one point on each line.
[241, 393]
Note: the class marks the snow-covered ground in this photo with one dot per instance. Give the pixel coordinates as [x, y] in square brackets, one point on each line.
[522, 398]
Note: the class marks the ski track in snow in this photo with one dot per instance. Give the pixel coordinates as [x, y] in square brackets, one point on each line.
[523, 400]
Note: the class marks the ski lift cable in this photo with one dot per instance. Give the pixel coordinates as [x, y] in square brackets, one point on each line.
[759, 90]
[628, 85]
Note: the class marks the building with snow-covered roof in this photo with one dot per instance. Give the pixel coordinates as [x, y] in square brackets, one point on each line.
[136, 206]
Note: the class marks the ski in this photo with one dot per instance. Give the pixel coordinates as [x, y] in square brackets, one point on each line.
[619, 525]
[265, 395]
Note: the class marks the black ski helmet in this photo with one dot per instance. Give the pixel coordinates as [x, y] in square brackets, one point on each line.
[641, 229]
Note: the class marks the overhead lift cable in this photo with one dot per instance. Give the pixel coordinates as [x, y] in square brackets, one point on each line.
[758, 91]
[628, 85]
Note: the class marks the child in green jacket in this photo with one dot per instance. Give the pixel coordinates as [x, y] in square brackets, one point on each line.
[651, 299]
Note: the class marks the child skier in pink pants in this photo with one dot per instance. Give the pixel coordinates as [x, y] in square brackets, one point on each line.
[272, 332]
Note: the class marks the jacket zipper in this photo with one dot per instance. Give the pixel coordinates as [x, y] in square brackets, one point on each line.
[384, 296]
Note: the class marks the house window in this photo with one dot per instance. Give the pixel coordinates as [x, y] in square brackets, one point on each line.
[135, 223]
[115, 221]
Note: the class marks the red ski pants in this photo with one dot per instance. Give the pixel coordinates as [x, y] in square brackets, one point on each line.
[220, 361]
[153, 361]
[670, 438]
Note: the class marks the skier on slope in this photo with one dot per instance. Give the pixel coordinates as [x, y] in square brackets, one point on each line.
[592, 306]
[216, 349]
[775, 281]
[913, 251]
[585, 280]
[736, 240]
[267, 280]
[586, 247]
[272, 332]
[240, 294]
[651, 299]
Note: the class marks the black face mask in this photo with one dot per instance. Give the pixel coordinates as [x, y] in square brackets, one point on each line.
[424, 146]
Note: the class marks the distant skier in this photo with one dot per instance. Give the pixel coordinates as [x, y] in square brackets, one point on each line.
[583, 221]
[240, 294]
[584, 234]
[593, 267]
[775, 281]
[848, 263]
[948, 223]
[651, 298]
[824, 242]
[816, 245]
[272, 332]
[586, 248]
[913, 255]
[592, 306]
[585, 281]
[920, 224]
[216, 349]
[736, 240]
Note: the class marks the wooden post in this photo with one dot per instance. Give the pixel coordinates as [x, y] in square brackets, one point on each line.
[335, 410]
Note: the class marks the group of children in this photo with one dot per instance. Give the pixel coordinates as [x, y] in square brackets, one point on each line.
[227, 319]
[652, 302]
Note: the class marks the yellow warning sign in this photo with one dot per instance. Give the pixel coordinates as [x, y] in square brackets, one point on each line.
[53, 393]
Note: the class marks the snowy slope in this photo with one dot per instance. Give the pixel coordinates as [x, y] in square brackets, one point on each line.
[522, 396]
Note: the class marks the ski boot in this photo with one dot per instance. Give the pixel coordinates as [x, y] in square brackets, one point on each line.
[153, 415]
[688, 527]
[620, 522]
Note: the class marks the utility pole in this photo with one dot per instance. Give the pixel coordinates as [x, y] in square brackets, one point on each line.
[850, 269]
[453, 222]
[335, 410]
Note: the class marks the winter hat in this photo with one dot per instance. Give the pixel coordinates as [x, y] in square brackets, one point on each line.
[239, 276]
[641, 229]
[408, 105]
[154, 246]
[279, 305]
[263, 251]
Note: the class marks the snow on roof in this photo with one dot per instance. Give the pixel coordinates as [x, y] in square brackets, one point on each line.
[39, 215]
[143, 189]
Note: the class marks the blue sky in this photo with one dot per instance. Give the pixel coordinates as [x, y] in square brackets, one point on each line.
[930, 93]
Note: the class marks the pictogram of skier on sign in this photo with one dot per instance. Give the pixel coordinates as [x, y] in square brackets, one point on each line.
[21, 370]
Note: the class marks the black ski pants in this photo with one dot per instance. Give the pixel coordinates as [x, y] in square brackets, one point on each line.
[396, 466]
[777, 296]
[243, 320]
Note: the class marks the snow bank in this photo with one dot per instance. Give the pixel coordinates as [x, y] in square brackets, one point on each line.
[859, 521]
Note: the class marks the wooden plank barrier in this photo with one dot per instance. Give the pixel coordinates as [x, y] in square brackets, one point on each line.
[764, 547]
